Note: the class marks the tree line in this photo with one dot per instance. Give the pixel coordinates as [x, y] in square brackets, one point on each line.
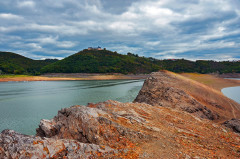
[105, 61]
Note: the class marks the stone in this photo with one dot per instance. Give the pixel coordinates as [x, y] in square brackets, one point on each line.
[161, 89]
[234, 124]
[23, 146]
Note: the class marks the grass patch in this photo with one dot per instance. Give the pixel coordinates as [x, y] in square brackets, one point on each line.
[13, 76]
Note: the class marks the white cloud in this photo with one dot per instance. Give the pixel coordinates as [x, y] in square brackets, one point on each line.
[34, 46]
[60, 52]
[122, 26]
[124, 49]
[66, 44]
[196, 46]
[3, 29]
[8, 38]
[27, 46]
[54, 41]
[153, 43]
[10, 16]
[46, 40]
[63, 29]
[163, 27]
[28, 4]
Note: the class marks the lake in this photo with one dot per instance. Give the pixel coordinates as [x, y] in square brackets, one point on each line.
[232, 92]
[24, 104]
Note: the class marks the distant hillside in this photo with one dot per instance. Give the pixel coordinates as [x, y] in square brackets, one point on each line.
[102, 61]
[11, 63]
[105, 61]
[200, 66]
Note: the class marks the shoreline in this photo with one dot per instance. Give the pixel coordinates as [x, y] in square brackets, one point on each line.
[73, 77]
[214, 81]
[217, 82]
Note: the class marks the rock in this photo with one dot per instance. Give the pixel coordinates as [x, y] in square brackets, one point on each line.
[161, 89]
[47, 129]
[121, 130]
[15, 145]
[92, 125]
[234, 124]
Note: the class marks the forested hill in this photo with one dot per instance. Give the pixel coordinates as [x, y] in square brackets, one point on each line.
[11, 63]
[105, 61]
[199, 66]
[102, 61]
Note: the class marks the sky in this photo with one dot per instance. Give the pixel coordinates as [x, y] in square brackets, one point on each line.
[163, 29]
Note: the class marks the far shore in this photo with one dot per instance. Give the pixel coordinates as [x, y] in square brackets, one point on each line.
[71, 77]
[217, 82]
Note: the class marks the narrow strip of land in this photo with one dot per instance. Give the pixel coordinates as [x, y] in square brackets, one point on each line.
[215, 81]
[71, 77]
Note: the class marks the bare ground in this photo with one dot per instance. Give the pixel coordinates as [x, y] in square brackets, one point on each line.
[215, 81]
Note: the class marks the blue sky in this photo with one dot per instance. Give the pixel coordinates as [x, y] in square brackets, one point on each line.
[190, 29]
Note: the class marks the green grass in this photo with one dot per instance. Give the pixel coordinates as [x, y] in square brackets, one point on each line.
[12, 76]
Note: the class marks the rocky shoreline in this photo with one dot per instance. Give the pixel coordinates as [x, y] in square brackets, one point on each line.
[172, 117]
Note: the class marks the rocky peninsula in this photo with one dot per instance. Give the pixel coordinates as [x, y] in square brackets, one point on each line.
[173, 116]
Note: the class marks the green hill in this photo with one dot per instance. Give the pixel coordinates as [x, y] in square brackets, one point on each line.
[200, 66]
[104, 61]
[101, 61]
[11, 63]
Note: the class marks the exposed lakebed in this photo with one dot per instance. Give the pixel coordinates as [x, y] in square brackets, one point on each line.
[24, 104]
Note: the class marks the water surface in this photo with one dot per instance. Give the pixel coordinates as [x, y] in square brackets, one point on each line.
[232, 92]
[24, 104]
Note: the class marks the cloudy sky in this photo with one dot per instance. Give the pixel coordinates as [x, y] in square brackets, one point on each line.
[190, 29]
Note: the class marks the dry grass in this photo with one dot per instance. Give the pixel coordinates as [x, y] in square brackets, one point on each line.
[206, 89]
[212, 80]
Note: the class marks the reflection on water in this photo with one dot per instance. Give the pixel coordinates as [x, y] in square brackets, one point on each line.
[24, 104]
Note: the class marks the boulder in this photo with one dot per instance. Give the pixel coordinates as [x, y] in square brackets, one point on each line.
[234, 124]
[16, 145]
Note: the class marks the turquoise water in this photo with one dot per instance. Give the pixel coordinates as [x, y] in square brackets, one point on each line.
[232, 92]
[24, 104]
